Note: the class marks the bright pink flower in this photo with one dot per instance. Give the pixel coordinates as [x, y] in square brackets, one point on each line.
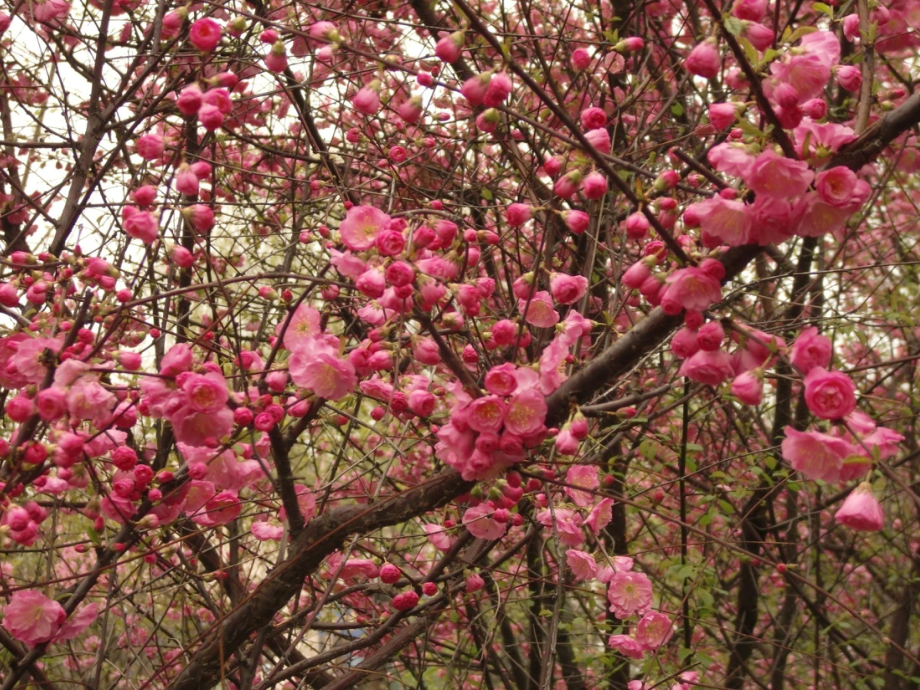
[774, 175]
[759, 36]
[810, 350]
[316, 365]
[367, 100]
[421, 402]
[205, 34]
[885, 441]
[526, 412]
[501, 379]
[849, 77]
[816, 455]
[448, 49]
[438, 536]
[581, 477]
[206, 392]
[518, 214]
[565, 442]
[176, 360]
[276, 60]
[581, 59]
[474, 88]
[405, 601]
[481, 523]
[594, 186]
[200, 428]
[51, 404]
[861, 510]
[411, 110]
[582, 565]
[33, 618]
[474, 583]
[186, 181]
[626, 646]
[728, 220]
[837, 186]
[566, 186]
[360, 227]
[748, 388]
[690, 288]
[150, 146]
[654, 630]
[189, 100]
[751, 10]
[576, 221]
[567, 289]
[629, 593]
[829, 394]
[210, 117]
[704, 61]
[498, 90]
[600, 139]
[722, 115]
[592, 118]
[567, 524]
[486, 414]
[807, 74]
[709, 368]
[600, 515]
[200, 216]
[539, 311]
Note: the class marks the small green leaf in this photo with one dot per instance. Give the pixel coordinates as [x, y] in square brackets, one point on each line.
[677, 110]
[94, 536]
[486, 194]
[798, 33]
[826, 9]
[733, 26]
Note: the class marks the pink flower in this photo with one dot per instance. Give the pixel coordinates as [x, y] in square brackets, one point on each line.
[654, 630]
[829, 394]
[581, 477]
[581, 59]
[690, 288]
[33, 618]
[704, 61]
[567, 524]
[205, 34]
[486, 414]
[837, 186]
[189, 100]
[582, 565]
[773, 175]
[849, 77]
[449, 47]
[51, 404]
[141, 225]
[206, 392]
[210, 117]
[474, 88]
[722, 115]
[626, 646]
[367, 100]
[576, 221]
[438, 536]
[816, 455]
[751, 10]
[360, 227]
[186, 181]
[566, 443]
[807, 74]
[498, 90]
[411, 110]
[200, 217]
[629, 593]
[885, 440]
[728, 220]
[811, 350]
[567, 289]
[707, 367]
[474, 583]
[539, 311]
[861, 510]
[481, 523]
[594, 186]
[760, 36]
[518, 214]
[315, 365]
[405, 601]
[150, 146]
[526, 412]
[201, 428]
[748, 388]
[600, 515]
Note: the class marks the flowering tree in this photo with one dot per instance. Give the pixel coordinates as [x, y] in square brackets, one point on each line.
[443, 345]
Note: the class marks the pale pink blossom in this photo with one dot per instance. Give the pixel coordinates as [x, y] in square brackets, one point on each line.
[629, 593]
[861, 510]
[581, 477]
[582, 565]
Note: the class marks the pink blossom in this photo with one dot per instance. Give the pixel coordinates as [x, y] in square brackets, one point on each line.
[200, 217]
[498, 90]
[449, 47]
[626, 646]
[861, 510]
[829, 394]
[567, 289]
[810, 350]
[150, 146]
[189, 100]
[629, 593]
[186, 181]
[704, 60]
[210, 117]
[205, 34]
[526, 412]
[600, 515]
[722, 115]
[849, 77]
[567, 524]
[538, 311]
[773, 175]
[518, 214]
[360, 227]
[481, 523]
[807, 74]
[438, 537]
[474, 88]
[582, 565]
[594, 185]
[690, 288]
[728, 220]
[367, 100]
[654, 630]
[576, 221]
[816, 455]
[200, 428]
[581, 477]
[748, 388]
[885, 441]
[316, 365]
[751, 10]
[33, 618]
[707, 367]
[836, 186]
[206, 392]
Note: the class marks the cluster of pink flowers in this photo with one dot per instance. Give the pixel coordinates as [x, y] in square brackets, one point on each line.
[34, 619]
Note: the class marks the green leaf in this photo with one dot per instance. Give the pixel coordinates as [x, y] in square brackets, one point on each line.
[94, 536]
[726, 507]
[826, 9]
[677, 110]
[799, 33]
[486, 194]
[770, 462]
[733, 26]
